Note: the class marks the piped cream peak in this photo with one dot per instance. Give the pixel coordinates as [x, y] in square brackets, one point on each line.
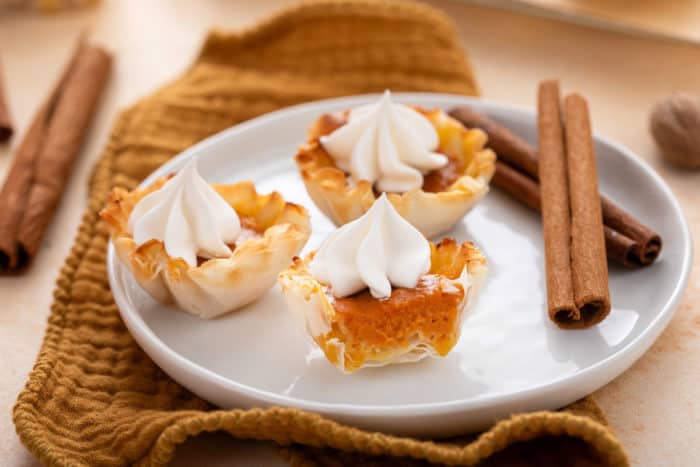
[380, 250]
[386, 143]
[188, 216]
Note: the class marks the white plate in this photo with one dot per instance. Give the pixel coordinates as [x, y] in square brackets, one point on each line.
[509, 359]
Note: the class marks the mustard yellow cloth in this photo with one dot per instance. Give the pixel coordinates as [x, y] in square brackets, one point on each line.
[95, 399]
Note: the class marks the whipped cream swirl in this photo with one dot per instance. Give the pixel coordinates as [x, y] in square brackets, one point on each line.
[379, 250]
[388, 144]
[188, 216]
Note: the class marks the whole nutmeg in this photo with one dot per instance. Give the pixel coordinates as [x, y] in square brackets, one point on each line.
[675, 125]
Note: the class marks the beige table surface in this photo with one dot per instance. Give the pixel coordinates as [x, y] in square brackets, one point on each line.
[652, 17]
[654, 407]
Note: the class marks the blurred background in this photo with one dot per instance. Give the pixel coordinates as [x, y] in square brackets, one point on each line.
[675, 20]
[624, 55]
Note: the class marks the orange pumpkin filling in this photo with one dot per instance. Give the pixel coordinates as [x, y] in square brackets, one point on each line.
[364, 329]
[371, 328]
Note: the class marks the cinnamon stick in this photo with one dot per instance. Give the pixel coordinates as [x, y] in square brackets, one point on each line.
[42, 164]
[646, 244]
[589, 264]
[556, 213]
[508, 146]
[619, 247]
[518, 185]
[6, 129]
[630, 242]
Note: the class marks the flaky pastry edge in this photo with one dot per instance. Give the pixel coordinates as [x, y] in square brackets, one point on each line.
[342, 201]
[219, 285]
[311, 302]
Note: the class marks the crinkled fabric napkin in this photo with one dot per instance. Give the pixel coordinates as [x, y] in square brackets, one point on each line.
[94, 397]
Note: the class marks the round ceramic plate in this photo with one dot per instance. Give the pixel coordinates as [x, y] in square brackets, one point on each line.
[510, 357]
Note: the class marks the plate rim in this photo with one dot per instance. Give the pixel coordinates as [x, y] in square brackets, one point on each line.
[626, 356]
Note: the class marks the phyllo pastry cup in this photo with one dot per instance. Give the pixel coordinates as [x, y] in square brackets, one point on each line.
[273, 231]
[361, 331]
[446, 195]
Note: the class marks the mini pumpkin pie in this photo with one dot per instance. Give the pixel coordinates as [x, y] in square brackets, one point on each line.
[433, 169]
[377, 292]
[210, 249]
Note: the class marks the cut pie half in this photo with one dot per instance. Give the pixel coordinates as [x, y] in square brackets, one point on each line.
[412, 323]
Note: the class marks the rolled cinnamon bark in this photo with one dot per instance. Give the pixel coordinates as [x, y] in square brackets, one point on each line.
[556, 215]
[518, 185]
[634, 244]
[18, 182]
[43, 161]
[646, 244]
[508, 146]
[619, 247]
[589, 264]
[6, 129]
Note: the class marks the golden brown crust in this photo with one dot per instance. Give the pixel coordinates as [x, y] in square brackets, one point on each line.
[219, 285]
[431, 212]
[434, 310]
